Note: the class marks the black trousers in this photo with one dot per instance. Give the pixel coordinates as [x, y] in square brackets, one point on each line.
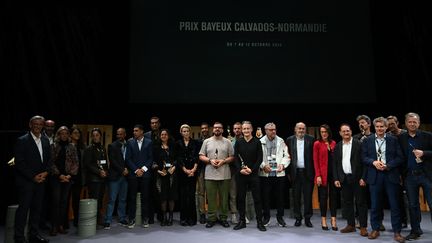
[30, 197]
[353, 192]
[59, 202]
[302, 185]
[328, 193]
[245, 182]
[142, 185]
[96, 190]
[187, 188]
[272, 187]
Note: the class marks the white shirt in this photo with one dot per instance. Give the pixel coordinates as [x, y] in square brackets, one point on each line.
[300, 153]
[140, 143]
[346, 156]
[38, 144]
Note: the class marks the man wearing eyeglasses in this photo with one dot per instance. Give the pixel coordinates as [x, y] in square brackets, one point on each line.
[216, 153]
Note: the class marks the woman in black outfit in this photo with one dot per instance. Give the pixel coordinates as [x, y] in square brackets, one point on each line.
[165, 157]
[187, 160]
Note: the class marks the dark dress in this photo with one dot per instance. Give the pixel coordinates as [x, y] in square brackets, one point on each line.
[166, 185]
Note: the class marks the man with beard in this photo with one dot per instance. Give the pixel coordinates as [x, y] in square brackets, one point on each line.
[216, 153]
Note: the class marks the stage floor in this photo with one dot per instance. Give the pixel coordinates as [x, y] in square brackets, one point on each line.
[198, 233]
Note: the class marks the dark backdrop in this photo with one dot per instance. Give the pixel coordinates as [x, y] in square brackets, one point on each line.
[71, 64]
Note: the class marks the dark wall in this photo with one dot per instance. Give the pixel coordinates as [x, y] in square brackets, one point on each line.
[71, 65]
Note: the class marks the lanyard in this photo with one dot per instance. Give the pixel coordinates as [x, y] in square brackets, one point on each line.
[379, 152]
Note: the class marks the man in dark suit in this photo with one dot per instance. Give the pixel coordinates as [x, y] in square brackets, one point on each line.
[139, 159]
[349, 174]
[32, 156]
[417, 149]
[117, 183]
[301, 172]
[382, 155]
[154, 204]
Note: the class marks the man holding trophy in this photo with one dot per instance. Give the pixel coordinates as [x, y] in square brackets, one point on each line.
[383, 156]
[248, 157]
[216, 153]
[272, 173]
[417, 149]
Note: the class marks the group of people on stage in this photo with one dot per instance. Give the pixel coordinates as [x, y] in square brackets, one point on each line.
[222, 171]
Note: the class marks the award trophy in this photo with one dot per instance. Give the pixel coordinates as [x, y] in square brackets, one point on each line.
[216, 156]
[229, 137]
[259, 133]
[242, 162]
[379, 154]
[418, 159]
[167, 164]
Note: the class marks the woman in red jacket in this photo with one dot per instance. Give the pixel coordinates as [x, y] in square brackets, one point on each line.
[323, 161]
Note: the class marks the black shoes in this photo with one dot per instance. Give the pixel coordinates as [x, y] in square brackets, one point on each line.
[202, 219]
[210, 224]
[224, 223]
[37, 239]
[240, 225]
[308, 223]
[326, 228]
[281, 221]
[297, 223]
[412, 236]
[261, 226]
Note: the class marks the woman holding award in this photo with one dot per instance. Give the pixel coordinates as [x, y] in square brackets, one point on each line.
[165, 157]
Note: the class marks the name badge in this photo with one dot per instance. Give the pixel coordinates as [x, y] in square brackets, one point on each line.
[103, 162]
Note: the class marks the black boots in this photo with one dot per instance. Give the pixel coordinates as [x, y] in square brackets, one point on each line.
[170, 219]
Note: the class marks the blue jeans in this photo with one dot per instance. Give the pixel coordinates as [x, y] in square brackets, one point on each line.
[413, 183]
[117, 188]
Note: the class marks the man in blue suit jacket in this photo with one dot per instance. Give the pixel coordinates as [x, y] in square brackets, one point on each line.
[32, 158]
[382, 154]
[139, 160]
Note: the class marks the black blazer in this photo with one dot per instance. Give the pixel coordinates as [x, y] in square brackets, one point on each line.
[393, 158]
[117, 162]
[425, 144]
[308, 156]
[357, 168]
[28, 162]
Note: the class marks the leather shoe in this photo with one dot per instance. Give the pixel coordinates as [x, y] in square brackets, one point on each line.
[297, 223]
[325, 228]
[37, 239]
[412, 236]
[261, 226]
[373, 235]
[240, 225]
[224, 223]
[399, 238]
[363, 231]
[308, 223]
[210, 224]
[348, 229]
